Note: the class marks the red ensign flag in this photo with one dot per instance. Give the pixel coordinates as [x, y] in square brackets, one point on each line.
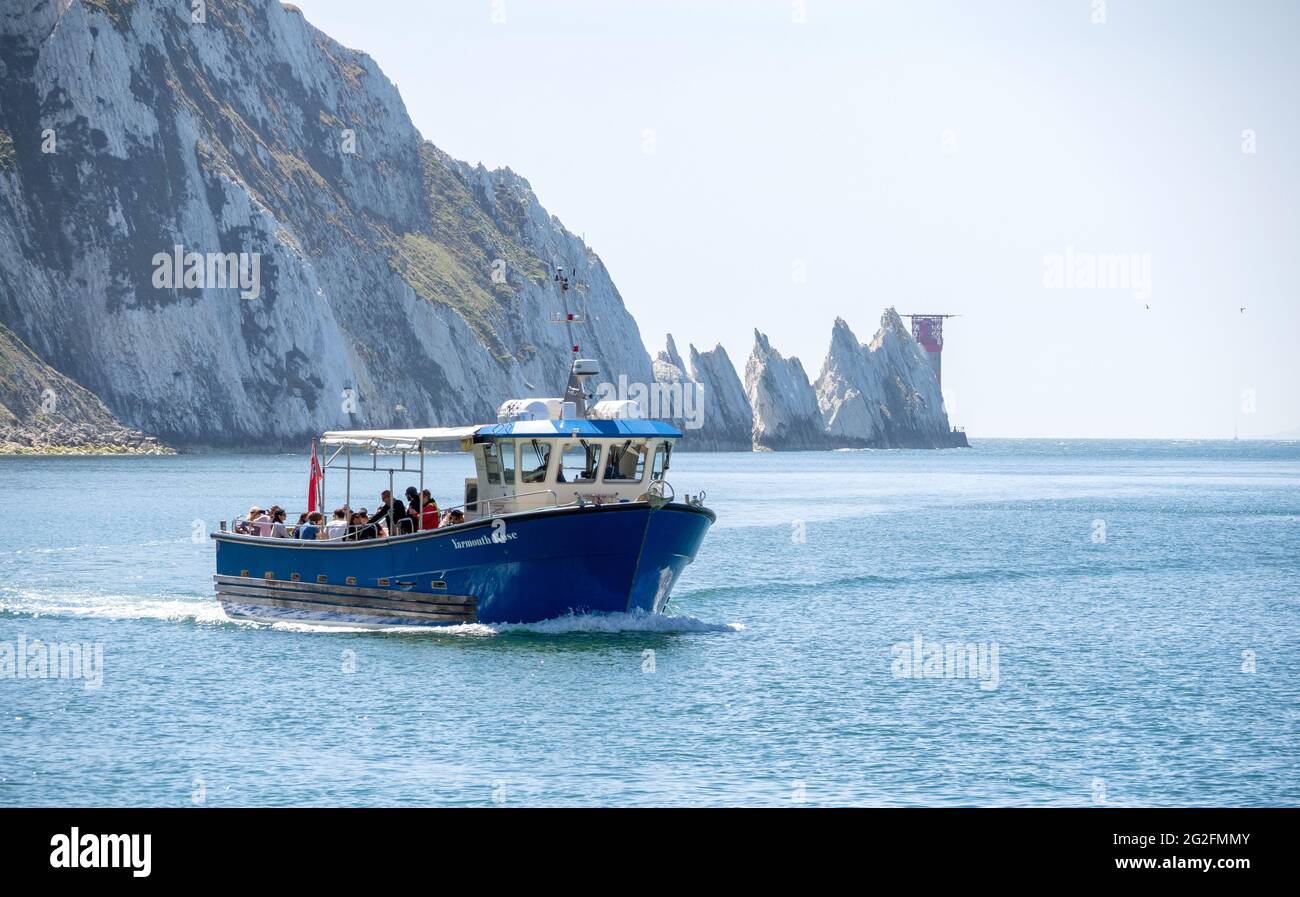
[313, 483]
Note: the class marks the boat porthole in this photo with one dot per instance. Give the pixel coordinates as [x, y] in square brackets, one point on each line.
[322, 578]
[269, 574]
[243, 572]
[294, 577]
[437, 584]
[383, 582]
[351, 580]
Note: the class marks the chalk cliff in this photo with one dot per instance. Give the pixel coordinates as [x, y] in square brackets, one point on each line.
[786, 415]
[397, 286]
[879, 395]
[883, 394]
[728, 417]
[709, 402]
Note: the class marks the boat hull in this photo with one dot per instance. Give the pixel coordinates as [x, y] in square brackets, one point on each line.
[518, 568]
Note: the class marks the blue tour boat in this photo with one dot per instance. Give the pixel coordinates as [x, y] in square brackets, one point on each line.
[569, 512]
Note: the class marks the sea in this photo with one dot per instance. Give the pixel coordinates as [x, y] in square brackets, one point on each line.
[1021, 623]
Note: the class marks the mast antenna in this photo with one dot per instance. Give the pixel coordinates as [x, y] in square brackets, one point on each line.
[580, 369]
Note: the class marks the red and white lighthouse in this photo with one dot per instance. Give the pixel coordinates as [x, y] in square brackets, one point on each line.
[928, 331]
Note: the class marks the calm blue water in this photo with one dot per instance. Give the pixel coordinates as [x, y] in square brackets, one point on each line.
[1123, 666]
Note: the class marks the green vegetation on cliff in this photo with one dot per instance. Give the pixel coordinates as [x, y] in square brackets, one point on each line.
[455, 262]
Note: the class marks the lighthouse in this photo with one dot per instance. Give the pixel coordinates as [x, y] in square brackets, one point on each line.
[928, 331]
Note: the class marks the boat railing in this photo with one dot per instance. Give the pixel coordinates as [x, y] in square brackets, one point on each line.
[492, 503]
[484, 507]
[240, 523]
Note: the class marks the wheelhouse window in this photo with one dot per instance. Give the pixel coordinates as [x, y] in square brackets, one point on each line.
[492, 462]
[508, 461]
[663, 455]
[626, 462]
[534, 458]
[580, 462]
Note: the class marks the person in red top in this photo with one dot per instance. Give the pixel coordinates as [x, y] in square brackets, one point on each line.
[428, 511]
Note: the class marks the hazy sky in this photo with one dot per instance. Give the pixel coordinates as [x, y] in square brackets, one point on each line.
[932, 156]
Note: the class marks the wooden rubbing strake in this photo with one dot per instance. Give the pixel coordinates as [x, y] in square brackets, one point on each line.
[395, 603]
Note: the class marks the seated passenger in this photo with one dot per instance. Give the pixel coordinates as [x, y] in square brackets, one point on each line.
[454, 516]
[411, 521]
[361, 528]
[429, 518]
[389, 504]
[311, 530]
[278, 529]
[246, 526]
[262, 523]
[338, 527]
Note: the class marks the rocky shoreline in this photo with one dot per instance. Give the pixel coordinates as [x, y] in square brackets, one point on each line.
[67, 439]
[43, 412]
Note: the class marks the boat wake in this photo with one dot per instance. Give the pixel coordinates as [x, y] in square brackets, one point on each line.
[577, 624]
[613, 623]
[108, 606]
[206, 611]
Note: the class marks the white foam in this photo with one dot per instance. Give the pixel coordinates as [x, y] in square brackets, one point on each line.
[300, 626]
[207, 611]
[110, 606]
[577, 623]
[633, 622]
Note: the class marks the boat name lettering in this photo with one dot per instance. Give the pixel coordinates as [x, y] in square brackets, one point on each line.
[498, 537]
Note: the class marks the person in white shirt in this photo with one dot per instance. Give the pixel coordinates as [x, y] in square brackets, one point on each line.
[338, 526]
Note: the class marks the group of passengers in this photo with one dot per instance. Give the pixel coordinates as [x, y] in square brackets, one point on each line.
[393, 517]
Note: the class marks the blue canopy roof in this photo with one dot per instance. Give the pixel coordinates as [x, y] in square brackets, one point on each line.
[586, 429]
